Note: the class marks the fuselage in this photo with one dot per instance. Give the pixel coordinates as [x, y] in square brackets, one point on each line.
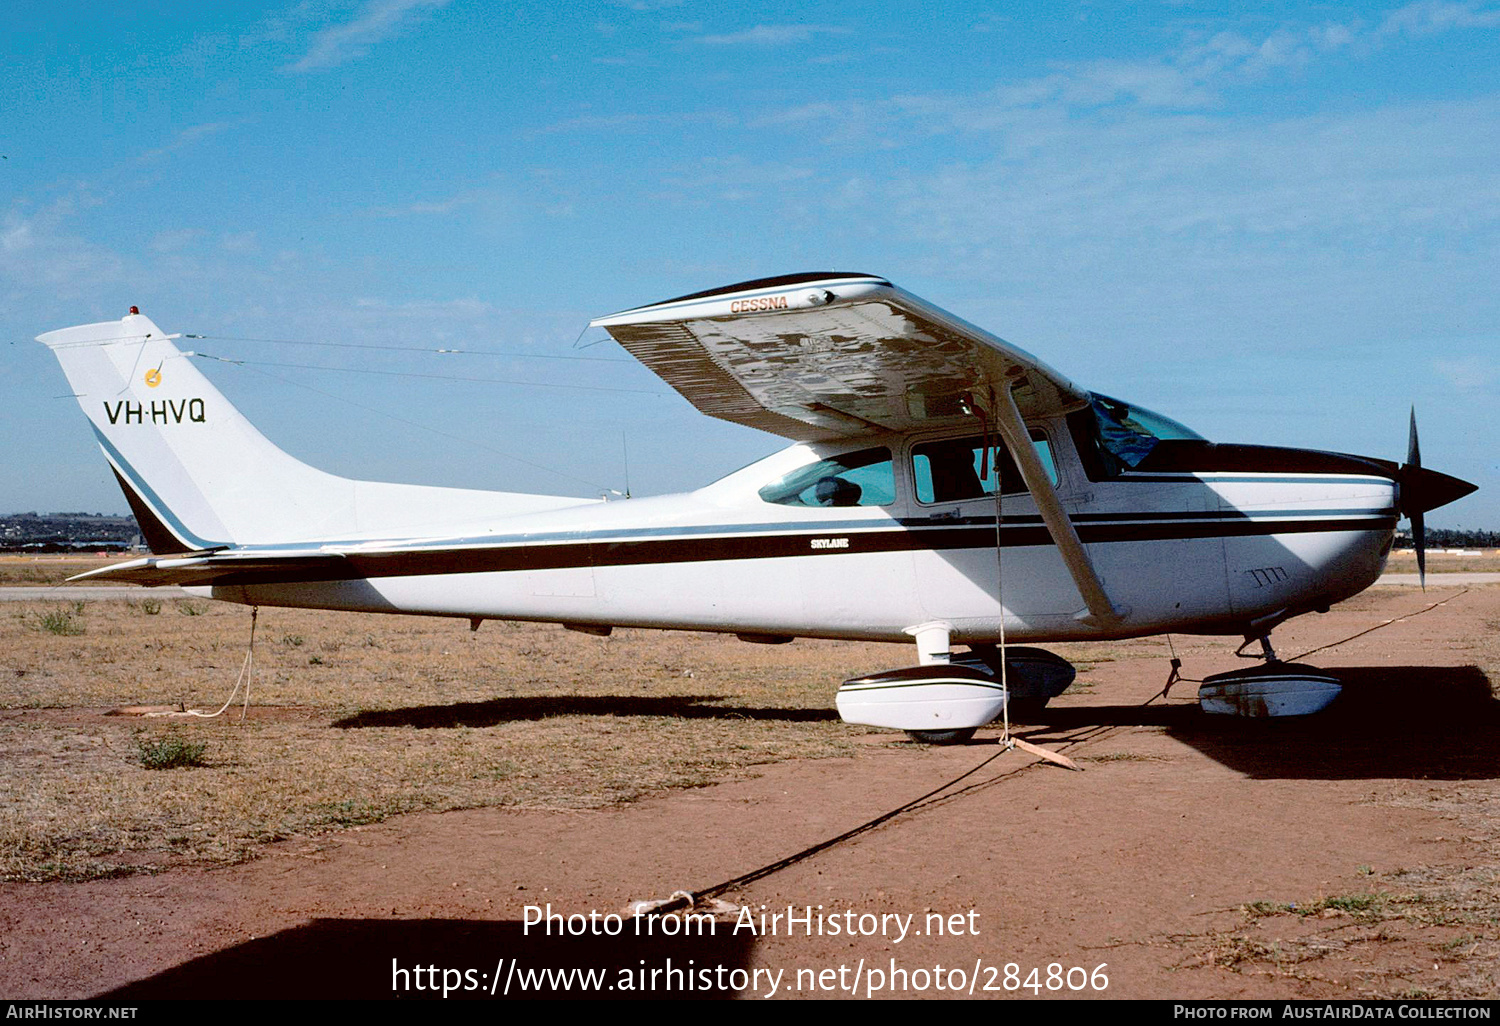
[1188, 537]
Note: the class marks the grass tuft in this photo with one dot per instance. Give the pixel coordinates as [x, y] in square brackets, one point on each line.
[62, 622]
[1261, 909]
[170, 752]
[1351, 904]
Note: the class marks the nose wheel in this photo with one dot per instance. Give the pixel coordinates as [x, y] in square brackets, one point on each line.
[1266, 651]
[1272, 689]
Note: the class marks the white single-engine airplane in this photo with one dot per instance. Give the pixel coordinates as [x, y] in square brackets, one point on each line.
[932, 462]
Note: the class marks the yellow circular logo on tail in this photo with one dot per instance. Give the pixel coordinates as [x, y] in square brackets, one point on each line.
[153, 377]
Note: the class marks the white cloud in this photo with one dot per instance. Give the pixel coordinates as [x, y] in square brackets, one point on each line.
[632, 121]
[500, 203]
[735, 179]
[808, 112]
[492, 199]
[39, 251]
[604, 122]
[1193, 76]
[239, 242]
[175, 240]
[462, 309]
[377, 20]
[1468, 374]
[1426, 17]
[184, 138]
[773, 35]
[1386, 173]
[1151, 84]
[647, 5]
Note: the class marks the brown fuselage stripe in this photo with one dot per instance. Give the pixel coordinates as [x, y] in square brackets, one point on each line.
[625, 552]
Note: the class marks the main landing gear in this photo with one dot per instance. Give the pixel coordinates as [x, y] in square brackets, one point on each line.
[942, 737]
[948, 696]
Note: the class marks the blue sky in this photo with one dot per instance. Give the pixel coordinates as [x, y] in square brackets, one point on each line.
[1278, 224]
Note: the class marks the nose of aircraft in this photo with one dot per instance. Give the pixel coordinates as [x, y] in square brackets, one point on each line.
[1423, 489]
[1419, 490]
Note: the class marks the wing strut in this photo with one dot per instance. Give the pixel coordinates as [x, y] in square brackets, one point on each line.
[1013, 429]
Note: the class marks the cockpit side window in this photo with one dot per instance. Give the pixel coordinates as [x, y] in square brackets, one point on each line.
[863, 478]
[1114, 437]
[955, 469]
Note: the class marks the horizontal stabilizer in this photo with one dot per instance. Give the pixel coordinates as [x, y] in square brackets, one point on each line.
[223, 567]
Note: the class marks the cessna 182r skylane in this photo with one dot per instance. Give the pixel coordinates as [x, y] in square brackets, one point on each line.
[932, 461]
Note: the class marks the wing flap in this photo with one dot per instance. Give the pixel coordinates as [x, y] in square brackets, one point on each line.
[814, 358]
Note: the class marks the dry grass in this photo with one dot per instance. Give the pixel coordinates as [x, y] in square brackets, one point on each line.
[1442, 923]
[1404, 561]
[39, 571]
[358, 717]
[1438, 942]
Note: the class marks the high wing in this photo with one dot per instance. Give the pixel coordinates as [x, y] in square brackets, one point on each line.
[829, 355]
[832, 355]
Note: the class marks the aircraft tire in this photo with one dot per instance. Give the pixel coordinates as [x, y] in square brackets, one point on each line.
[942, 737]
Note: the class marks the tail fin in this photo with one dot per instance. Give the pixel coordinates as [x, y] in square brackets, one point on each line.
[198, 475]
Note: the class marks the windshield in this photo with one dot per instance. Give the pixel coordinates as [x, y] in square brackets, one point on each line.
[1127, 434]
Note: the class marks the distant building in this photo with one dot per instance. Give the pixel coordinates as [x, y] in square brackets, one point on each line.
[68, 532]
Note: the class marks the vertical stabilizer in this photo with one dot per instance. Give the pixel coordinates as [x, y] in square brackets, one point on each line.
[203, 475]
[199, 475]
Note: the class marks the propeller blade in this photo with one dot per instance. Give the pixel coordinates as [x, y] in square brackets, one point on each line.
[1413, 449]
[1418, 522]
[1419, 490]
[1419, 539]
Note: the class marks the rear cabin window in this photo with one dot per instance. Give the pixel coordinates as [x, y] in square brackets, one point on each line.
[863, 478]
[955, 469]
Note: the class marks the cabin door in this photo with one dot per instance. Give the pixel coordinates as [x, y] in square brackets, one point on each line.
[958, 575]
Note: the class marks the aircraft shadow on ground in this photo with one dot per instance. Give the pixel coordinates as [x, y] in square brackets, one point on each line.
[508, 710]
[353, 958]
[1411, 722]
[1390, 721]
